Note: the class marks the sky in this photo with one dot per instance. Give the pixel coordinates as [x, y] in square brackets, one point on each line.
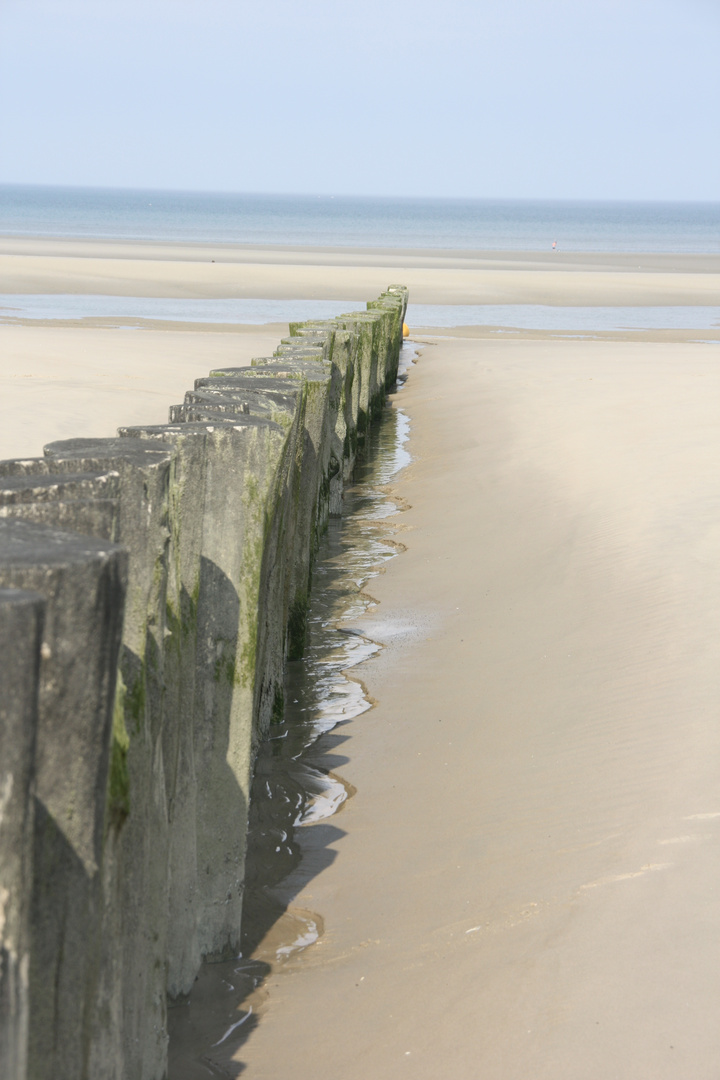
[609, 99]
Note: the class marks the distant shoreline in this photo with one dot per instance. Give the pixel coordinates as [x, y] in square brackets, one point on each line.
[180, 270]
[348, 255]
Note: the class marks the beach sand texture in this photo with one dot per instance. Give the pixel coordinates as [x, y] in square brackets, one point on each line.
[433, 277]
[527, 881]
[527, 884]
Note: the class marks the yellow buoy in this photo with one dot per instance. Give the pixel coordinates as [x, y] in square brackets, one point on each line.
[406, 330]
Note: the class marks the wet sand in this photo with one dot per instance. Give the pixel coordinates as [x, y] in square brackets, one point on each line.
[525, 882]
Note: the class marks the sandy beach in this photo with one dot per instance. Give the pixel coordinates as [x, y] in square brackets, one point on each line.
[433, 277]
[526, 884]
[526, 880]
[85, 377]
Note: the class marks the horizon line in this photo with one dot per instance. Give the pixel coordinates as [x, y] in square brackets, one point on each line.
[341, 196]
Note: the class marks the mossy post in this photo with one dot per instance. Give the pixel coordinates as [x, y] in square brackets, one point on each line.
[344, 358]
[130, 1024]
[242, 490]
[361, 325]
[70, 488]
[323, 394]
[21, 625]
[185, 498]
[237, 400]
[318, 385]
[237, 462]
[393, 303]
[79, 500]
[83, 582]
[219, 397]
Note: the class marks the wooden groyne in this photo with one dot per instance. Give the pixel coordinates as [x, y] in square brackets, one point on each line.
[152, 587]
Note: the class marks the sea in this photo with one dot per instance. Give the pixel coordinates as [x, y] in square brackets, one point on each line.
[344, 221]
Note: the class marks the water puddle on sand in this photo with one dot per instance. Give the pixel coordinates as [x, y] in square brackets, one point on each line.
[298, 789]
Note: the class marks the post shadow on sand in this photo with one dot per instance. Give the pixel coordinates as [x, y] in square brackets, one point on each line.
[208, 1034]
[207, 1029]
[200, 1020]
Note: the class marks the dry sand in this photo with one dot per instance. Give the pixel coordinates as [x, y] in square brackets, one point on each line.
[67, 382]
[527, 882]
[226, 270]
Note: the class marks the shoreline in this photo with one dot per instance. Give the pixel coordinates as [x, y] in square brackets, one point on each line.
[118, 247]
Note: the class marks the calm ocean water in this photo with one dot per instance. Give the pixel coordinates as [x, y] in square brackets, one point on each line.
[471, 224]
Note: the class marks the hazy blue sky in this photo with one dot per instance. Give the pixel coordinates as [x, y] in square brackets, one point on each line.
[514, 98]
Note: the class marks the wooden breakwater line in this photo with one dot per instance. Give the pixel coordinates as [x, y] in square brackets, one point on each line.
[151, 588]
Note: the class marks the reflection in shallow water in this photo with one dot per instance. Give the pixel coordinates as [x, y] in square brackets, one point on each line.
[554, 317]
[75, 306]
[297, 788]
